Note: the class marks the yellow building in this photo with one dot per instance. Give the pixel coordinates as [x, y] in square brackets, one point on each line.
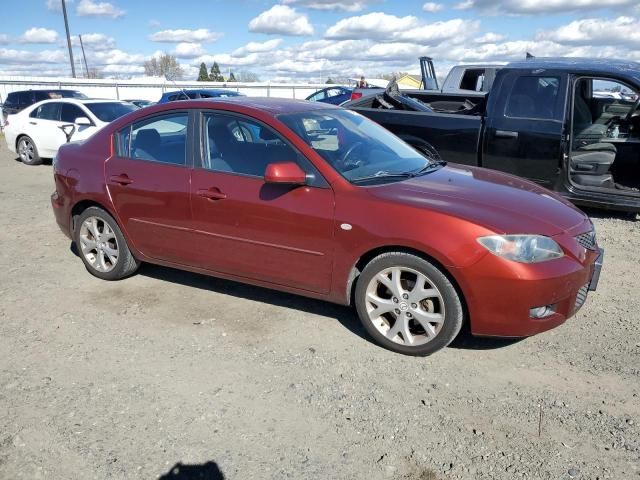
[409, 81]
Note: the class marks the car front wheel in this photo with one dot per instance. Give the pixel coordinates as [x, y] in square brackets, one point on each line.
[102, 246]
[407, 304]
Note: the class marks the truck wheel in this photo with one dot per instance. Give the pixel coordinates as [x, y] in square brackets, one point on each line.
[407, 304]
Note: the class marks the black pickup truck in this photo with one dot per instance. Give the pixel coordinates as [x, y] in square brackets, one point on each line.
[571, 125]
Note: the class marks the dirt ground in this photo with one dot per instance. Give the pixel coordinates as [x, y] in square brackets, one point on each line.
[124, 380]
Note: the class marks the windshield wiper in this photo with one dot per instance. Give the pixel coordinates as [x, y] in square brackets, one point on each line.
[383, 174]
[430, 166]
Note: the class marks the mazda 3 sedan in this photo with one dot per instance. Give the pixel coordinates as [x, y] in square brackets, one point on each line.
[315, 200]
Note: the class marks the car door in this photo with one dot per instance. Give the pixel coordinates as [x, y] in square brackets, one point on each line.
[148, 182]
[43, 127]
[525, 127]
[280, 234]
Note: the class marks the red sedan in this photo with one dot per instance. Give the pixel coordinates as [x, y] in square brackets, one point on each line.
[320, 201]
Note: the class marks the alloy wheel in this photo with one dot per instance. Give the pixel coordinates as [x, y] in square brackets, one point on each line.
[98, 244]
[405, 306]
[26, 151]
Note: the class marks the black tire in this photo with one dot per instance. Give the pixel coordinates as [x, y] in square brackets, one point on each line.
[452, 305]
[27, 151]
[125, 265]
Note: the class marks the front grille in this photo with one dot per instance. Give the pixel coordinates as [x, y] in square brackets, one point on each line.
[588, 240]
[581, 297]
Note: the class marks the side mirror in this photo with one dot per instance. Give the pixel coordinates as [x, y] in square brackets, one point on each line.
[83, 122]
[285, 173]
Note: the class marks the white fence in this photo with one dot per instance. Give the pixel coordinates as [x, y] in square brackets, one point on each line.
[150, 88]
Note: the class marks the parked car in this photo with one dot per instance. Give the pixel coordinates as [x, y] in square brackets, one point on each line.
[316, 200]
[588, 151]
[18, 101]
[199, 93]
[333, 95]
[38, 131]
[141, 103]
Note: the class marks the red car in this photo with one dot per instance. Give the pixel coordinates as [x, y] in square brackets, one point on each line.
[319, 201]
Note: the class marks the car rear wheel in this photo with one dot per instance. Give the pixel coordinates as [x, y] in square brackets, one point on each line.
[102, 246]
[407, 304]
[28, 152]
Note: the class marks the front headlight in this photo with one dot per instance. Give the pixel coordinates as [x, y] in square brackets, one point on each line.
[522, 248]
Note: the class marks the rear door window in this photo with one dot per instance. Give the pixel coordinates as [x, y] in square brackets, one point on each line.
[534, 97]
[160, 139]
[47, 111]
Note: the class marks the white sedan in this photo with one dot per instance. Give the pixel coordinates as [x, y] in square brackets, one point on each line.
[38, 131]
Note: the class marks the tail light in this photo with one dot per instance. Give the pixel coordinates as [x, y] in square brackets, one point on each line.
[356, 95]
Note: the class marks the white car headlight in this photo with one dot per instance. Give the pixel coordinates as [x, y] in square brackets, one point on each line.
[522, 248]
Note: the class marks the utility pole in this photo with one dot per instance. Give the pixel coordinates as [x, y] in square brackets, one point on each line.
[86, 67]
[66, 26]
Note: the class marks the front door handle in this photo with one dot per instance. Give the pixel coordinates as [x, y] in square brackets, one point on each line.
[33, 123]
[121, 179]
[506, 134]
[212, 193]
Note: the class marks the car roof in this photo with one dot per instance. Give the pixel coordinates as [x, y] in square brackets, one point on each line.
[201, 90]
[83, 101]
[274, 106]
[591, 66]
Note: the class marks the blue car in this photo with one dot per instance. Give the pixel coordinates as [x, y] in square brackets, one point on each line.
[199, 93]
[333, 95]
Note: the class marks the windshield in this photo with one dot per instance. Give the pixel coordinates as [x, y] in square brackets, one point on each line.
[109, 111]
[355, 146]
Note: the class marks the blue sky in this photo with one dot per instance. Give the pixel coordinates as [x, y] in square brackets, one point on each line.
[300, 40]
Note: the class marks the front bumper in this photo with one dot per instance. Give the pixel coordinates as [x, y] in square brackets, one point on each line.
[500, 293]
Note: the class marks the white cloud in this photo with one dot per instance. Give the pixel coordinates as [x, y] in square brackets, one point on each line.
[542, 6]
[596, 31]
[4, 38]
[376, 25]
[116, 57]
[281, 20]
[254, 47]
[432, 7]
[184, 35]
[227, 60]
[97, 41]
[98, 9]
[39, 35]
[489, 38]
[188, 50]
[464, 5]
[13, 57]
[344, 5]
[389, 28]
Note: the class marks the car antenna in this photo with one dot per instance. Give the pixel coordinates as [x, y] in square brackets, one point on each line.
[176, 85]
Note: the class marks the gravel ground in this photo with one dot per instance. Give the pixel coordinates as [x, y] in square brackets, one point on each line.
[127, 379]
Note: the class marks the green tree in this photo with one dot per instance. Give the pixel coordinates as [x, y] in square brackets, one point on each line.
[214, 74]
[232, 77]
[329, 80]
[203, 76]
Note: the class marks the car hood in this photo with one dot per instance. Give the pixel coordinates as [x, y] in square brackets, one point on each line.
[500, 202]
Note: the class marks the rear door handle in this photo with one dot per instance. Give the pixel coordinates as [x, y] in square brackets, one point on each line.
[212, 193]
[506, 134]
[121, 179]
[33, 123]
